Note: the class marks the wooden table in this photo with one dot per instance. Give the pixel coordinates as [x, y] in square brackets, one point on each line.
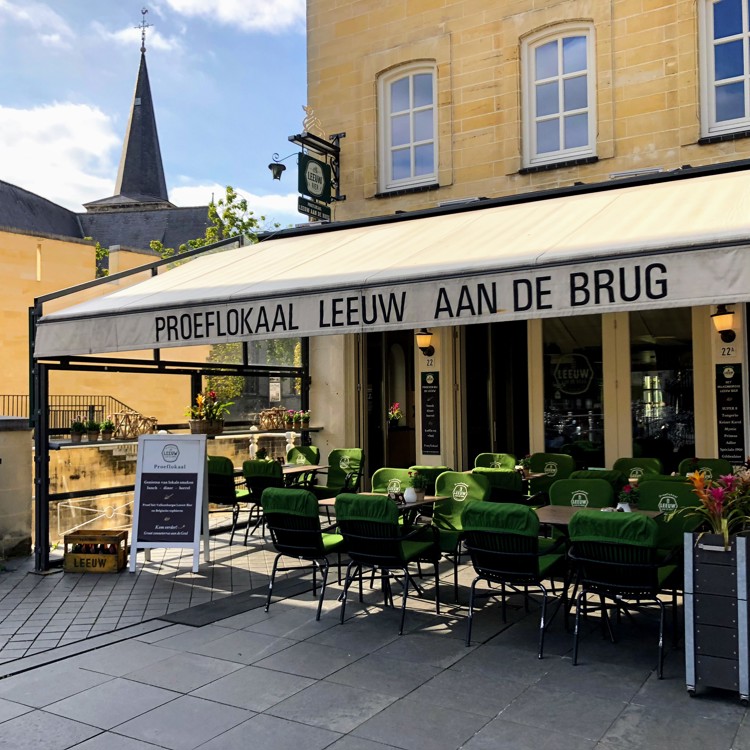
[560, 515]
[329, 502]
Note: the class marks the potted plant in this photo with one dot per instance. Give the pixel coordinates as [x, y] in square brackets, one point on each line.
[525, 465]
[207, 414]
[627, 497]
[92, 430]
[395, 415]
[417, 487]
[290, 418]
[297, 418]
[107, 428]
[305, 418]
[77, 429]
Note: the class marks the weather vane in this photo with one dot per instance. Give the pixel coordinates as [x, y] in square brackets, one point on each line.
[143, 26]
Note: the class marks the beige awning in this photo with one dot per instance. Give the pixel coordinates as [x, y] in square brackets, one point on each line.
[672, 243]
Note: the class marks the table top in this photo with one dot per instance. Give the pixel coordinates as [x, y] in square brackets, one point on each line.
[302, 468]
[329, 502]
[560, 515]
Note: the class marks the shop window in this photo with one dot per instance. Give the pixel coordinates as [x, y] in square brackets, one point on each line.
[661, 381]
[407, 135]
[725, 66]
[573, 398]
[558, 96]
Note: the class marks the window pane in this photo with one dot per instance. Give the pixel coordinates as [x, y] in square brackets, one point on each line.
[575, 93]
[727, 18]
[730, 101]
[547, 100]
[728, 62]
[400, 95]
[424, 161]
[400, 130]
[547, 136]
[423, 125]
[576, 131]
[545, 60]
[422, 89]
[400, 166]
[574, 54]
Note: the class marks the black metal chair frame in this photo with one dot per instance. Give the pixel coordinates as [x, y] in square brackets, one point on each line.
[222, 491]
[377, 545]
[512, 560]
[255, 486]
[624, 574]
[299, 537]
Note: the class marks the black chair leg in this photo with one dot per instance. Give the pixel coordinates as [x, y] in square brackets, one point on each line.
[470, 618]
[322, 587]
[347, 583]
[542, 624]
[660, 669]
[270, 582]
[437, 586]
[403, 601]
[579, 603]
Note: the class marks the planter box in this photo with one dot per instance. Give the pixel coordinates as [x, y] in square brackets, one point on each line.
[716, 614]
[86, 551]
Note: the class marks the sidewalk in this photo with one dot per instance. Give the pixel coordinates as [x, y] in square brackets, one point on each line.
[283, 681]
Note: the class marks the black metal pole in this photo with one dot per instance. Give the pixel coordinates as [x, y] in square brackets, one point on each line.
[41, 467]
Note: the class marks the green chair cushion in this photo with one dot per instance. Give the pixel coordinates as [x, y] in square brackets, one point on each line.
[262, 468]
[351, 507]
[623, 528]
[220, 465]
[495, 461]
[303, 454]
[332, 542]
[509, 517]
[712, 467]
[294, 502]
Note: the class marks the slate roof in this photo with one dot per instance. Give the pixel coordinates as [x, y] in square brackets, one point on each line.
[23, 211]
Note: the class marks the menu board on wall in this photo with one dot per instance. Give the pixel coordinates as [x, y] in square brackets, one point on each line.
[730, 413]
[430, 413]
[170, 500]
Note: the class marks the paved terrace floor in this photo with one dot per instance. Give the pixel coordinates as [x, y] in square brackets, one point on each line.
[88, 663]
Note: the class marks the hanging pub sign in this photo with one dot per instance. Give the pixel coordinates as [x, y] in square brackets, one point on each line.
[730, 413]
[312, 209]
[314, 178]
[431, 413]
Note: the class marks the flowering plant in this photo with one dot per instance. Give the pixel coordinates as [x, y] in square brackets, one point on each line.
[628, 494]
[208, 406]
[418, 481]
[290, 415]
[525, 462]
[725, 503]
[394, 412]
[303, 416]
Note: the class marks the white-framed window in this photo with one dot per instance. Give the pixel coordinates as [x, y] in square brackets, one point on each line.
[725, 66]
[559, 95]
[407, 124]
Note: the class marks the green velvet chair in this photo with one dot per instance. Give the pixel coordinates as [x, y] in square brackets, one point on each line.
[260, 474]
[506, 485]
[387, 480]
[302, 455]
[495, 461]
[294, 524]
[582, 493]
[506, 549]
[374, 539]
[554, 466]
[432, 473]
[713, 468]
[668, 497]
[638, 467]
[461, 489]
[616, 478]
[616, 558]
[223, 490]
[344, 473]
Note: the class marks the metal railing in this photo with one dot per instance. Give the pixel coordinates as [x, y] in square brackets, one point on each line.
[64, 409]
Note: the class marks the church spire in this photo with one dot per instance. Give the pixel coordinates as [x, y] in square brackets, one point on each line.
[141, 172]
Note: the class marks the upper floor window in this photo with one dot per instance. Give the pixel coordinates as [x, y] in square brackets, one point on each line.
[558, 96]
[725, 66]
[407, 127]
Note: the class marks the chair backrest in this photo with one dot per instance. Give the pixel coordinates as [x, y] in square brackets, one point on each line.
[667, 497]
[616, 478]
[461, 490]
[615, 551]
[495, 461]
[370, 527]
[221, 481]
[387, 480]
[503, 540]
[345, 469]
[506, 485]
[638, 467]
[553, 465]
[432, 473]
[260, 474]
[713, 468]
[293, 520]
[582, 493]
[303, 454]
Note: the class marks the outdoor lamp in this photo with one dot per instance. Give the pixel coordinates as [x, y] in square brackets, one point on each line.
[276, 169]
[424, 342]
[722, 320]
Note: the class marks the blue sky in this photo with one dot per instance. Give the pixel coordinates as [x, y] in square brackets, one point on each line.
[228, 78]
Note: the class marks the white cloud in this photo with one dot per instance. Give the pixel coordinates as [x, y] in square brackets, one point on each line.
[275, 16]
[128, 37]
[51, 28]
[64, 152]
[276, 208]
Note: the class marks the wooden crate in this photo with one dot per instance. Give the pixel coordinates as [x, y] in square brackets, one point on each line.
[83, 555]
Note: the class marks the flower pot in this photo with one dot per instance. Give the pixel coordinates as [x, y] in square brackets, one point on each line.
[392, 423]
[289, 424]
[206, 426]
[107, 436]
[76, 437]
[410, 495]
[92, 437]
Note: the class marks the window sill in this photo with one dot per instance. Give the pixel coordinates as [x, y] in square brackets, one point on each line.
[737, 134]
[559, 165]
[407, 190]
